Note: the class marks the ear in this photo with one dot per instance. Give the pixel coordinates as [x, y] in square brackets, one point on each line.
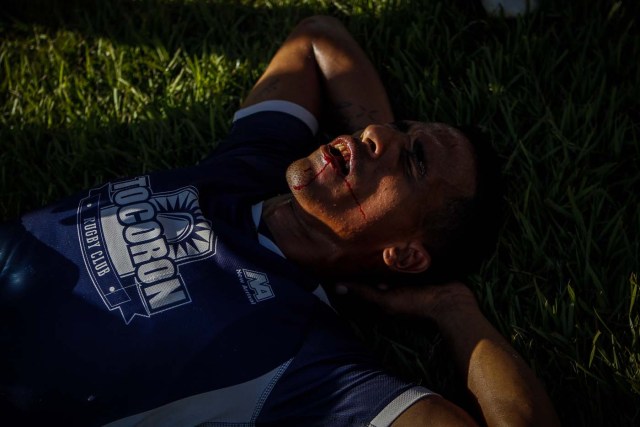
[408, 257]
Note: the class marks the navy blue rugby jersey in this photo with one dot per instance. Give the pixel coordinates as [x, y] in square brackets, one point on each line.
[154, 300]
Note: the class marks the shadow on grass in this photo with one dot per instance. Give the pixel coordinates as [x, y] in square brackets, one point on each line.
[191, 26]
[228, 27]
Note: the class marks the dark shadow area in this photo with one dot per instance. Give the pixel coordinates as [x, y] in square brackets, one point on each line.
[205, 27]
[192, 27]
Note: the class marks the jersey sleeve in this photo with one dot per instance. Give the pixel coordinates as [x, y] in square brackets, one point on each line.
[333, 380]
[280, 106]
[264, 140]
[271, 128]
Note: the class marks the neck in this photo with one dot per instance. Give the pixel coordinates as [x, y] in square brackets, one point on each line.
[302, 238]
[312, 245]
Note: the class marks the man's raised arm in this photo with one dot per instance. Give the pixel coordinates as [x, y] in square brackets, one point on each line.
[320, 65]
[504, 387]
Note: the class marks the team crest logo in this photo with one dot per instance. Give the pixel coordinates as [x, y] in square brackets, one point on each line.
[134, 241]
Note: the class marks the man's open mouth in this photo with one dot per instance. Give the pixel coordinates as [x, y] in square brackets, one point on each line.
[340, 151]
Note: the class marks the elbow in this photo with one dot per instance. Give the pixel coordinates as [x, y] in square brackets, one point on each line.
[320, 25]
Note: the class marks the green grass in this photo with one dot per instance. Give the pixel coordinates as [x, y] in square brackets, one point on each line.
[92, 90]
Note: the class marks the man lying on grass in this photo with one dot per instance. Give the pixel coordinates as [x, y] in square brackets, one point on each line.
[192, 296]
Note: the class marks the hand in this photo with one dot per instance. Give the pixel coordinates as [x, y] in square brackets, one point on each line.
[430, 301]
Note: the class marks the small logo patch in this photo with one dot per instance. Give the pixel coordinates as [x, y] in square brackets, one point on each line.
[255, 284]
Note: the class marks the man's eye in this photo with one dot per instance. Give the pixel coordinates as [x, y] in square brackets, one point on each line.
[415, 162]
[418, 155]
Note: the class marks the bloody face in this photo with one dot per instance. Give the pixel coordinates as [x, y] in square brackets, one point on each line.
[377, 186]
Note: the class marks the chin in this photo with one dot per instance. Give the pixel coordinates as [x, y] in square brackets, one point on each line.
[294, 175]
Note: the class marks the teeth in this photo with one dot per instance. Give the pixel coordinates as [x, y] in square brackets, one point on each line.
[344, 150]
[341, 149]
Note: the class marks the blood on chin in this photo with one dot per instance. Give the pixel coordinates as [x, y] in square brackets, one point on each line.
[308, 181]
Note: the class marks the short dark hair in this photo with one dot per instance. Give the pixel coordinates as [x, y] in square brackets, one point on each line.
[465, 231]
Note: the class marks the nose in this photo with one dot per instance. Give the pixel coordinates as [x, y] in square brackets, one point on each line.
[382, 140]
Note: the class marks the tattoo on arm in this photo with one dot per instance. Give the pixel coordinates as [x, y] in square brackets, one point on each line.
[355, 117]
[270, 88]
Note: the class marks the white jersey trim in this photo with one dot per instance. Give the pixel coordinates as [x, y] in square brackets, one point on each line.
[322, 296]
[398, 405]
[256, 215]
[280, 106]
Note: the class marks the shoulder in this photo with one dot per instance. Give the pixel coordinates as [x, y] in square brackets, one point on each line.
[267, 130]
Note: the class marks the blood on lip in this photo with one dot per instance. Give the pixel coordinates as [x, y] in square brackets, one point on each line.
[329, 161]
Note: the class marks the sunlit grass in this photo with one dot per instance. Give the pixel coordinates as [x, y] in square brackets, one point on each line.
[92, 90]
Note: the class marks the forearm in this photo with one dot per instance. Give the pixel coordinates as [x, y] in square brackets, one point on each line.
[505, 388]
[352, 85]
[321, 65]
